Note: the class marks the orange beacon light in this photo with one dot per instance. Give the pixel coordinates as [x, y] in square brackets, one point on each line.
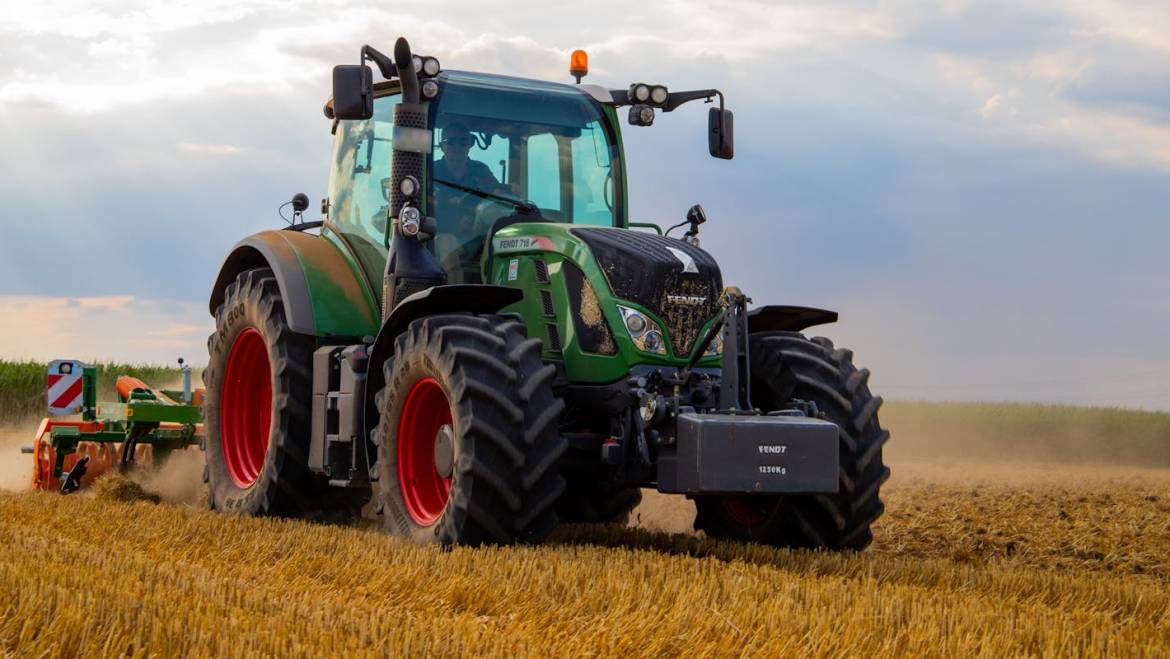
[579, 65]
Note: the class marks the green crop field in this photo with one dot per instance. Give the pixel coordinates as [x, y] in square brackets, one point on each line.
[22, 384]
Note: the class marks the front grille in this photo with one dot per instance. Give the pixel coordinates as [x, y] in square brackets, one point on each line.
[554, 338]
[650, 270]
[546, 301]
[541, 271]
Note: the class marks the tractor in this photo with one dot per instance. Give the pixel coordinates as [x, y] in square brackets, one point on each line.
[478, 344]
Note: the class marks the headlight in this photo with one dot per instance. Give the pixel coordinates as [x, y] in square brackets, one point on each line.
[636, 323]
[645, 333]
[430, 66]
[652, 342]
[640, 92]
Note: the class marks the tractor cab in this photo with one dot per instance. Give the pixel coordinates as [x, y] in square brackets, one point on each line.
[501, 147]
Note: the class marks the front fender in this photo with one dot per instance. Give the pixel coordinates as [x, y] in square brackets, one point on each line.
[782, 318]
[453, 298]
[323, 292]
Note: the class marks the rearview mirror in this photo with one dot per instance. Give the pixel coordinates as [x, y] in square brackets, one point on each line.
[720, 133]
[353, 92]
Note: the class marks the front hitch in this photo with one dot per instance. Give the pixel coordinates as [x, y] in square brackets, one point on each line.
[735, 379]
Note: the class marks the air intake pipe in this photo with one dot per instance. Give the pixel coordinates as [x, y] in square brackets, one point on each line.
[410, 267]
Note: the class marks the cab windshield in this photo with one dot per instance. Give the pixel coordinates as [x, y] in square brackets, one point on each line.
[509, 149]
[499, 144]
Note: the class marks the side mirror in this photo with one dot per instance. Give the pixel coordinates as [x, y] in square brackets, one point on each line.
[353, 92]
[720, 133]
[696, 216]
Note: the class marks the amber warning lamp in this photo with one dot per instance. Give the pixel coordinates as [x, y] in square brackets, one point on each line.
[579, 65]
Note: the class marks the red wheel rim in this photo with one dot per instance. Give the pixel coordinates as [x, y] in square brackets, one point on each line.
[424, 490]
[245, 407]
[748, 511]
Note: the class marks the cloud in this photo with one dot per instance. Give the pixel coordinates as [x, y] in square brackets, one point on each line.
[120, 328]
[977, 186]
[213, 149]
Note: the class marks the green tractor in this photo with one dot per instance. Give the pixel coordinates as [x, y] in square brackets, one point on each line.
[479, 343]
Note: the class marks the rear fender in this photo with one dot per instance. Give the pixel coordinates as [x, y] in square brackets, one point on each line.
[324, 295]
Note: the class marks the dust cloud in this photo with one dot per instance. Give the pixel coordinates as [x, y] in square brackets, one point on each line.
[179, 480]
[1010, 432]
[15, 467]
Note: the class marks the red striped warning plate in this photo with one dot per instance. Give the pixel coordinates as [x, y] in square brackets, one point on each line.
[65, 386]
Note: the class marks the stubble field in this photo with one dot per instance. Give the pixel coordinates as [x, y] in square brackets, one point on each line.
[974, 556]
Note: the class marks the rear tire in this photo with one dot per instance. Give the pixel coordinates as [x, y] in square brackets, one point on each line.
[256, 410]
[468, 448]
[786, 366]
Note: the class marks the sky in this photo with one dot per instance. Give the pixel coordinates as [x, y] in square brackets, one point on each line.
[981, 189]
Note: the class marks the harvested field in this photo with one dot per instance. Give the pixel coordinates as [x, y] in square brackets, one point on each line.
[970, 559]
[1065, 554]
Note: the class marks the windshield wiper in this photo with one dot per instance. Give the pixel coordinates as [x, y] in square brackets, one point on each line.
[525, 207]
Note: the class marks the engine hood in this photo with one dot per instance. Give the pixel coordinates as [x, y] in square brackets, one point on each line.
[677, 282]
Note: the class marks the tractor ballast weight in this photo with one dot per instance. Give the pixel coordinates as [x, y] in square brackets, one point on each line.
[492, 352]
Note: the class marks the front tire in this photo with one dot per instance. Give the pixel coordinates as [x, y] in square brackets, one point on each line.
[787, 366]
[468, 448]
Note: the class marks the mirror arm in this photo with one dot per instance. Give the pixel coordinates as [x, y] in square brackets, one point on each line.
[675, 99]
[385, 65]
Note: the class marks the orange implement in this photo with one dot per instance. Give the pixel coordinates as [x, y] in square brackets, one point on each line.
[102, 456]
[126, 384]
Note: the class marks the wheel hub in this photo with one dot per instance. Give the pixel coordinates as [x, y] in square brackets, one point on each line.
[445, 451]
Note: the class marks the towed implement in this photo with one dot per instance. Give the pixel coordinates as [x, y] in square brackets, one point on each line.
[478, 338]
[140, 429]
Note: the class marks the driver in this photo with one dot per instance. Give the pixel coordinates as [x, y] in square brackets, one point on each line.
[457, 167]
[456, 208]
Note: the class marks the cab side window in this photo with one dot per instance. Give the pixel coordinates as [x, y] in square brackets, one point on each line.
[358, 184]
